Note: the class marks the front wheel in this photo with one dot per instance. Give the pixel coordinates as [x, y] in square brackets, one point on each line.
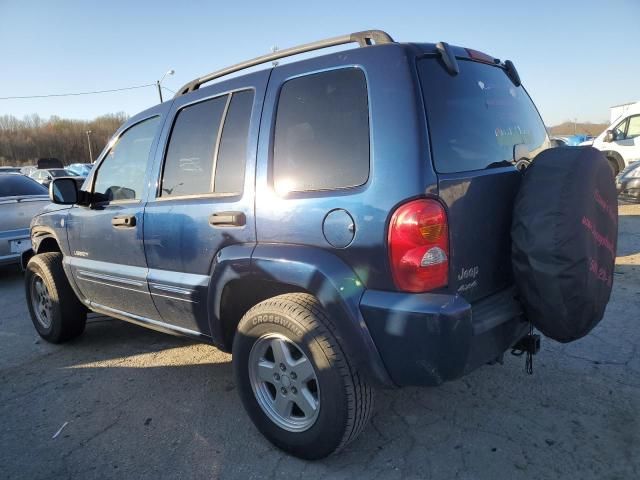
[55, 310]
[613, 165]
[295, 380]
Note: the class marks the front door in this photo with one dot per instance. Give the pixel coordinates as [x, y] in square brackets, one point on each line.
[204, 200]
[106, 246]
[627, 142]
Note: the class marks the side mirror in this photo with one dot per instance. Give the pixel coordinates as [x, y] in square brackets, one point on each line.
[63, 191]
[609, 136]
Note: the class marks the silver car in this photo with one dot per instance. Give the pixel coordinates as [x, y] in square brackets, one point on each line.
[20, 199]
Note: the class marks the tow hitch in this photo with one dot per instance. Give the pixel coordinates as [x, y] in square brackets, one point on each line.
[529, 344]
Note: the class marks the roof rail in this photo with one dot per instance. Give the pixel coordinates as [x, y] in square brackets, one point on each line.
[364, 39]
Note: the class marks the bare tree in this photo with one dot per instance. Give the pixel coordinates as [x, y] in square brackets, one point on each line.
[22, 142]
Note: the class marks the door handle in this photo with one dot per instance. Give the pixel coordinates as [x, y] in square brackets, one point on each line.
[124, 221]
[228, 219]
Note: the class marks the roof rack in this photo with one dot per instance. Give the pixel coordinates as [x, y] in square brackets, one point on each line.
[364, 39]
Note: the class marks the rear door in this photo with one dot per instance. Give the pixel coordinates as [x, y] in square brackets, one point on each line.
[204, 197]
[478, 122]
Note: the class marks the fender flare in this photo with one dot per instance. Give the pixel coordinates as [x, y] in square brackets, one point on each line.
[337, 288]
[38, 234]
[612, 154]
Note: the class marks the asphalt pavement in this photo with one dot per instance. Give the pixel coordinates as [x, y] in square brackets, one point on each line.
[125, 402]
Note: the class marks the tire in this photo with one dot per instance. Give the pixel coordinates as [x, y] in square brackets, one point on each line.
[564, 236]
[55, 310]
[614, 166]
[343, 399]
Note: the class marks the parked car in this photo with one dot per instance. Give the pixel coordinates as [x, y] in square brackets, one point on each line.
[621, 141]
[80, 169]
[628, 183]
[44, 176]
[558, 141]
[28, 170]
[335, 223]
[20, 199]
[9, 169]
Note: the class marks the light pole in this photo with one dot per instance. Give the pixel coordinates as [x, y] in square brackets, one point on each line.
[89, 143]
[158, 82]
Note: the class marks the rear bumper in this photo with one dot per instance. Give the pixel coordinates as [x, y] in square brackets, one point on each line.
[427, 339]
[7, 257]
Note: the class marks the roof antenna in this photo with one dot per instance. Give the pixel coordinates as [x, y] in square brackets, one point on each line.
[274, 49]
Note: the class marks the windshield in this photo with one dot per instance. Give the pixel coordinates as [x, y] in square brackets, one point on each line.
[19, 185]
[477, 117]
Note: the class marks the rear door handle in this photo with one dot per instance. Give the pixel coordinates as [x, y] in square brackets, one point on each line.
[124, 221]
[228, 219]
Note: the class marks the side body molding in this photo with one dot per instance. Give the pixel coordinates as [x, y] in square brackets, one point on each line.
[337, 288]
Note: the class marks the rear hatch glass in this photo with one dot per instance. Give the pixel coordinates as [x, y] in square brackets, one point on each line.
[478, 121]
[477, 117]
[18, 185]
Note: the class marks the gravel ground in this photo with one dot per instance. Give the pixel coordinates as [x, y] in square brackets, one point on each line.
[139, 404]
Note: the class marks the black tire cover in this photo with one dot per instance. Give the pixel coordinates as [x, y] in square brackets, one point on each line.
[564, 239]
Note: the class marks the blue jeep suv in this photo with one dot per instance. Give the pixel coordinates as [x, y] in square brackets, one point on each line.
[338, 223]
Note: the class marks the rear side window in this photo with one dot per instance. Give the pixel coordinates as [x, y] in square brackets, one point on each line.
[232, 153]
[188, 167]
[18, 185]
[478, 117]
[207, 150]
[121, 175]
[322, 132]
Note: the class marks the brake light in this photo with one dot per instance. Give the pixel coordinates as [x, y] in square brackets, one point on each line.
[419, 246]
[480, 56]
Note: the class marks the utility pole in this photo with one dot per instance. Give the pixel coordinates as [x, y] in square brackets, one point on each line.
[89, 143]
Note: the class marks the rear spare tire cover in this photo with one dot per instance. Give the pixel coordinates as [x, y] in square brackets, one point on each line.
[564, 239]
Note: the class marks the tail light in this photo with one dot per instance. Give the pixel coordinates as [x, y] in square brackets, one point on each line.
[419, 246]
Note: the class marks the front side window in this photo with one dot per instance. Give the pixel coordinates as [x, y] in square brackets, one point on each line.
[121, 174]
[618, 132]
[633, 130]
[322, 132]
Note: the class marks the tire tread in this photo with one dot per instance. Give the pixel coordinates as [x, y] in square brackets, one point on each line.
[307, 310]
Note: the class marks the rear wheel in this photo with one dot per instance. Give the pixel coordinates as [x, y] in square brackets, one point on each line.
[55, 310]
[295, 380]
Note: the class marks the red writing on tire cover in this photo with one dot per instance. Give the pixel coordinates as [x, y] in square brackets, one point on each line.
[605, 206]
[599, 272]
[600, 239]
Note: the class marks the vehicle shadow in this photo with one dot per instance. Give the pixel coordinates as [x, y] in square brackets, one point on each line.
[141, 404]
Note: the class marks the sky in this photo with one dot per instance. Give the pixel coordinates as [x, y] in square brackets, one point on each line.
[576, 58]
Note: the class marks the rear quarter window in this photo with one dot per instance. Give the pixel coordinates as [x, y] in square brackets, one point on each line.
[322, 132]
[477, 117]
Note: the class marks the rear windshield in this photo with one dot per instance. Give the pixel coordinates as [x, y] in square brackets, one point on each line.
[477, 117]
[18, 185]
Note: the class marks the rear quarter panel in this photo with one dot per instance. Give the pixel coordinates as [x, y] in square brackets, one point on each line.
[399, 166]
